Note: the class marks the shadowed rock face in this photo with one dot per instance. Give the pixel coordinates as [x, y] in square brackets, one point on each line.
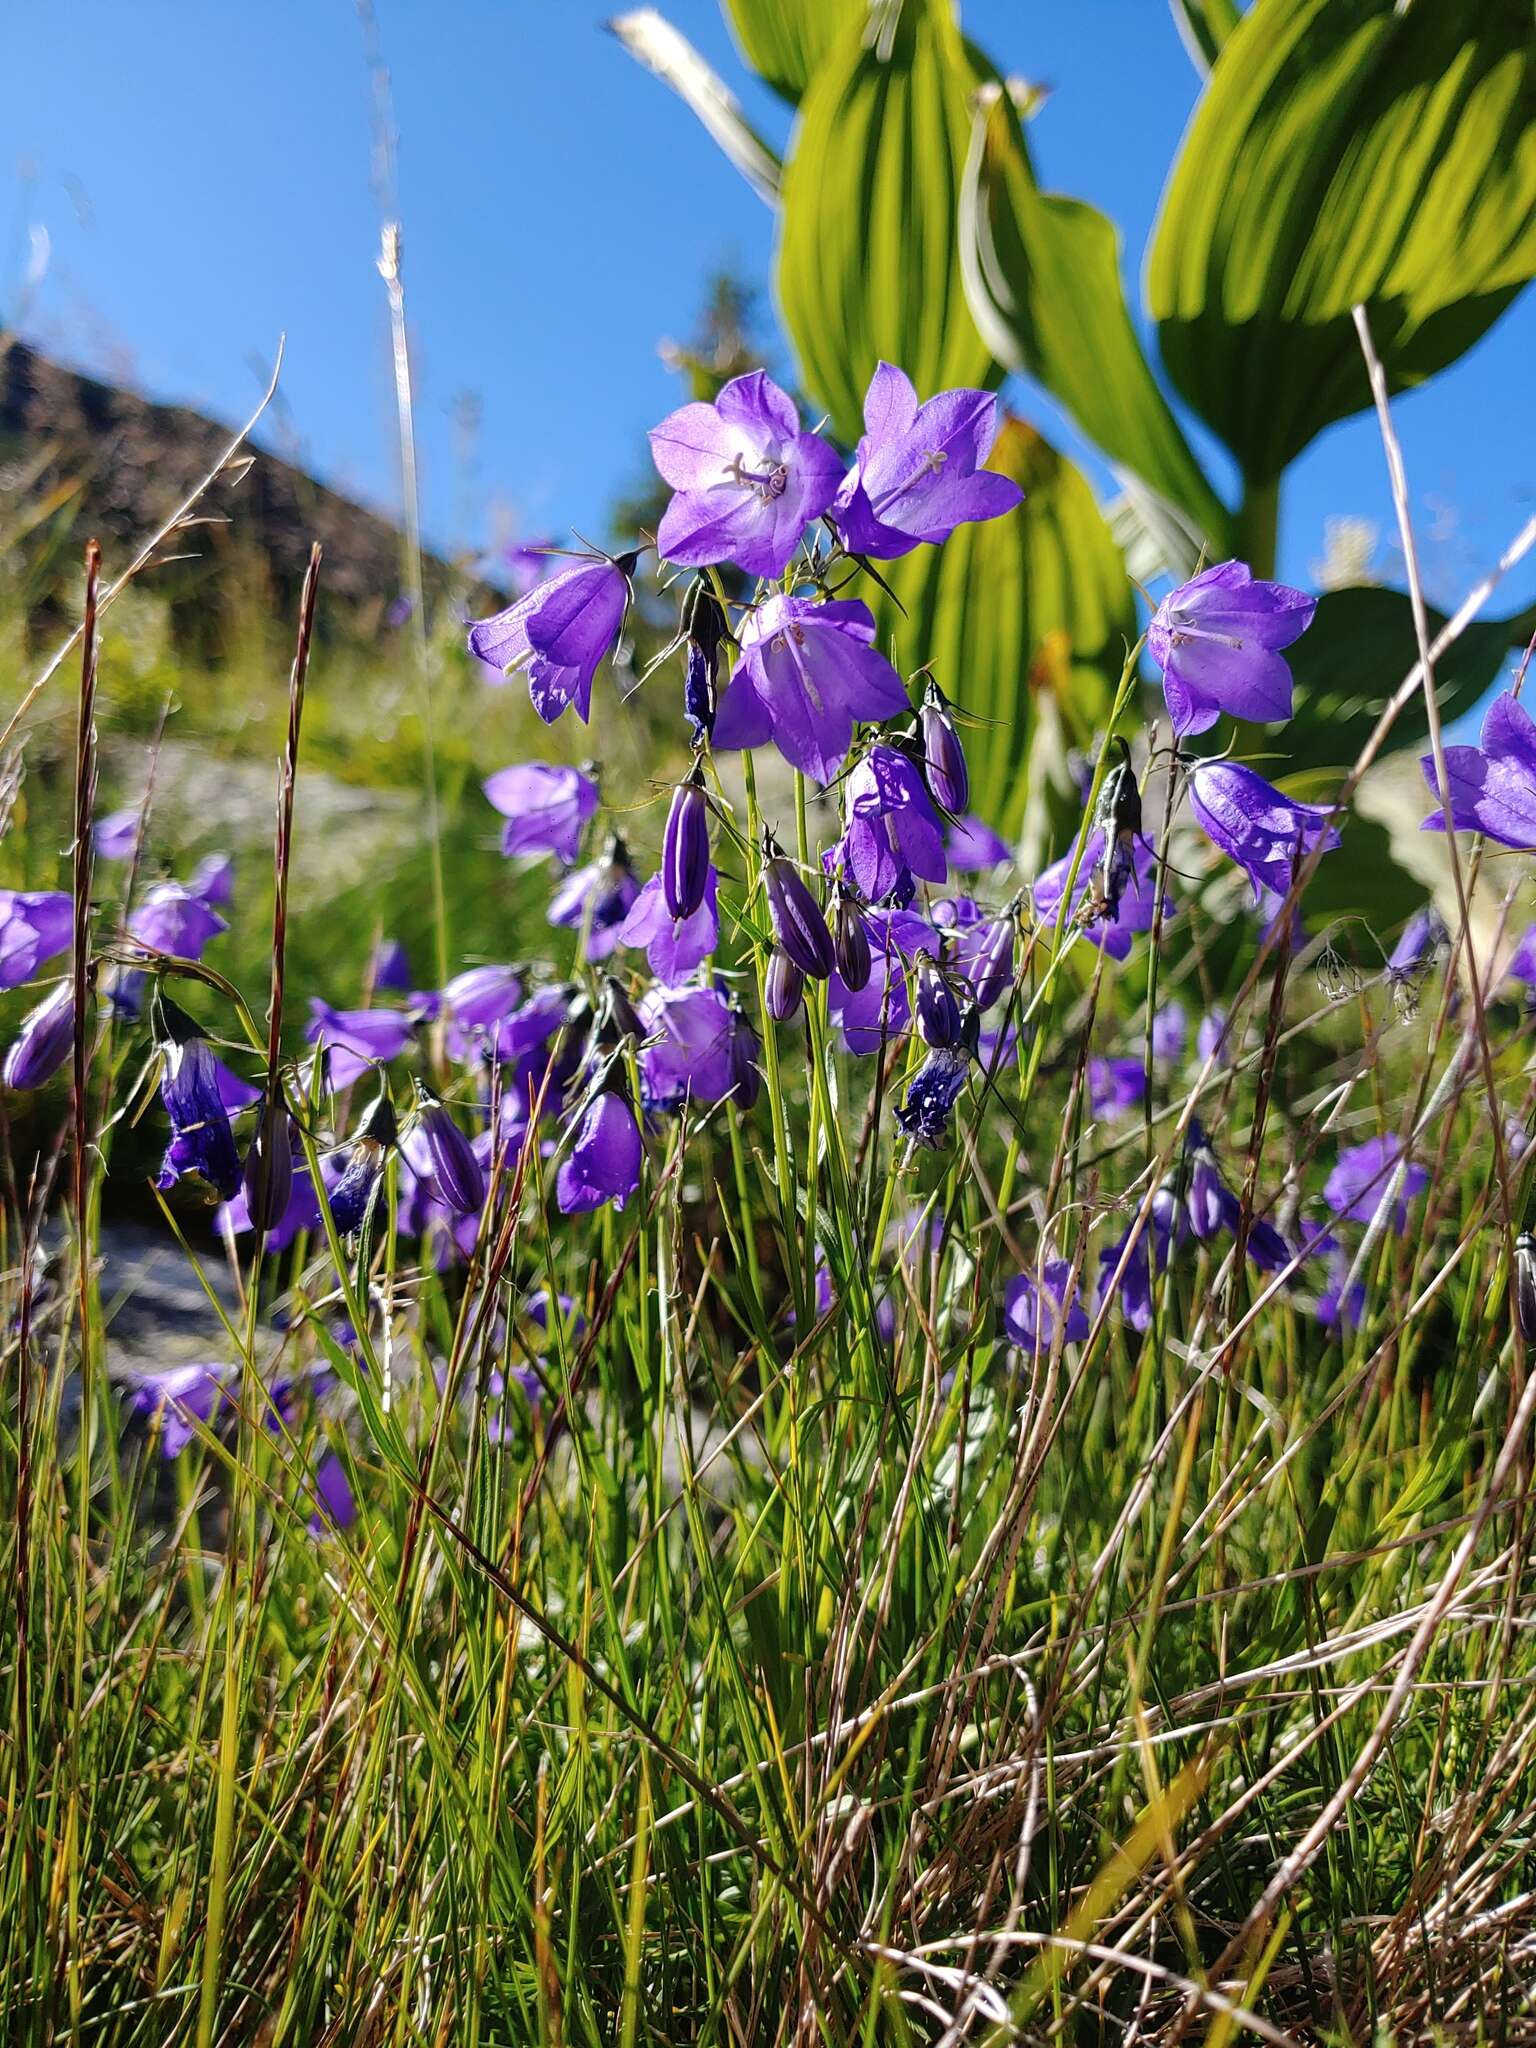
[119, 464]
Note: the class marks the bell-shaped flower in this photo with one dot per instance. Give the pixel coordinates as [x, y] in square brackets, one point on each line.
[688, 1049]
[546, 808]
[115, 834]
[1124, 893]
[1492, 786]
[596, 899]
[355, 1040]
[1116, 1085]
[1254, 824]
[1033, 1313]
[559, 633]
[917, 472]
[871, 1016]
[603, 1165]
[1366, 1177]
[746, 481]
[674, 947]
[892, 838]
[190, 1087]
[44, 1042]
[934, 1090]
[35, 925]
[807, 672]
[1216, 640]
[974, 848]
[476, 1004]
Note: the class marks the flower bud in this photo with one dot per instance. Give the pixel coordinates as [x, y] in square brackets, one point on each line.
[267, 1175]
[685, 847]
[938, 1013]
[705, 625]
[44, 1041]
[798, 923]
[992, 970]
[850, 942]
[784, 987]
[949, 779]
[457, 1174]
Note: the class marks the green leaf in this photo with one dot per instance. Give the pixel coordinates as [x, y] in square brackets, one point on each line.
[1042, 274]
[655, 43]
[1344, 152]
[868, 266]
[1204, 26]
[784, 40]
[1025, 622]
[1353, 656]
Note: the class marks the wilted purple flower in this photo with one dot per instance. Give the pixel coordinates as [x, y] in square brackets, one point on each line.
[1363, 1180]
[1112, 923]
[1265, 832]
[917, 472]
[974, 848]
[390, 969]
[596, 899]
[1032, 1313]
[362, 1162]
[604, 1161]
[1116, 1085]
[1170, 1028]
[559, 633]
[705, 625]
[673, 949]
[44, 1042]
[807, 672]
[685, 867]
[1492, 786]
[798, 923]
[356, 1040]
[783, 986]
[335, 1503]
[201, 1139]
[869, 1017]
[892, 832]
[850, 940]
[457, 1175]
[1414, 954]
[212, 881]
[35, 924]
[477, 1003]
[746, 482]
[177, 1398]
[1216, 640]
[932, 1094]
[546, 807]
[115, 836]
[687, 1053]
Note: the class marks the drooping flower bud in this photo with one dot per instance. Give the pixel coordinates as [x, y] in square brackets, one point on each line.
[850, 941]
[992, 968]
[705, 623]
[938, 1013]
[784, 987]
[949, 779]
[457, 1174]
[798, 923]
[1525, 1285]
[685, 847]
[267, 1175]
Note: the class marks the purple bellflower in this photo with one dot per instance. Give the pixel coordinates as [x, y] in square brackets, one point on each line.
[807, 672]
[335, 1504]
[1254, 824]
[559, 633]
[604, 1161]
[201, 1139]
[893, 837]
[1032, 1313]
[1414, 955]
[390, 968]
[362, 1164]
[1365, 1177]
[936, 1088]
[1115, 1086]
[674, 949]
[974, 848]
[44, 1042]
[596, 899]
[1151, 1250]
[546, 808]
[175, 919]
[212, 881]
[457, 1174]
[1211, 1206]
[176, 1399]
[477, 1004]
[1170, 1029]
[917, 472]
[1492, 786]
[1216, 640]
[746, 482]
[356, 1040]
[688, 1051]
[115, 836]
[35, 924]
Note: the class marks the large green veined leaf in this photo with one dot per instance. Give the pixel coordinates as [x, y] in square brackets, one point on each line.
[1353, 656]
[868, 267]
[784, 40]
[1344, 152]
[1025, 621]
[655, 43]
[1042, 274]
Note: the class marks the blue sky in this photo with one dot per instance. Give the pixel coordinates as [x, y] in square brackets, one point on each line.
[202, 173]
